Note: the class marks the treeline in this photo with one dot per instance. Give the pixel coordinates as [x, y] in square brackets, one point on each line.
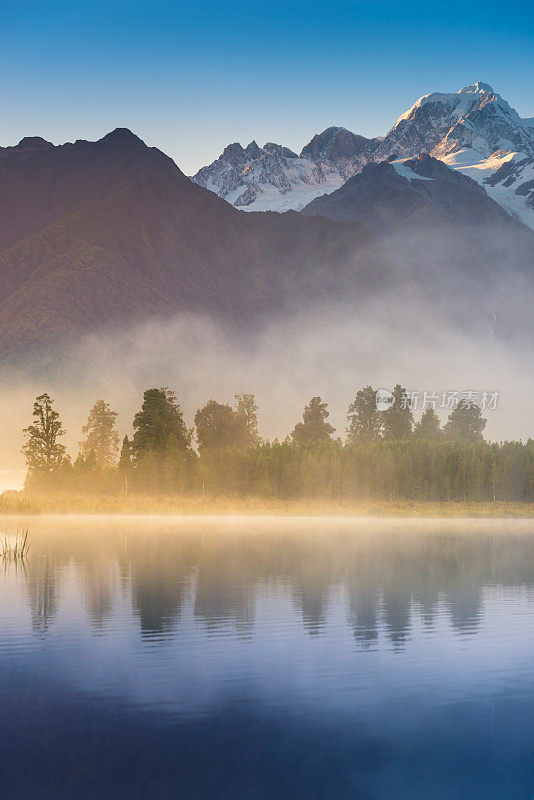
[386, 455]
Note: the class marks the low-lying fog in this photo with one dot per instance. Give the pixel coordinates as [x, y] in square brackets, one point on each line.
[327, 352]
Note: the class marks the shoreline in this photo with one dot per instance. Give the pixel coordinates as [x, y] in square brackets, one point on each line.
[12, 503]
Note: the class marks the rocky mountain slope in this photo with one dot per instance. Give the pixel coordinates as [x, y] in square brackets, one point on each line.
[473, 130]
[274, 178]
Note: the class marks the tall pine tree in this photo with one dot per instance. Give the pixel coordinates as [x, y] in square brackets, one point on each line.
[428, 427]
[44, 453]
[465, 423]
[398, 420]
[159, 418]
[314, 424]
[100, 436]
[218, 427]
[246, 412]
[365, 421]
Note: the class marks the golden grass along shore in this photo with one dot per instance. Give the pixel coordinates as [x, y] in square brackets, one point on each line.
[20, 503]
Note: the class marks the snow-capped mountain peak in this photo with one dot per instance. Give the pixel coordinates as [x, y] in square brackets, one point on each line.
[260, 178]
[433, 97]
[473, 130]
[477, 88]
[475, 117]
[459, 101]
[455, 103]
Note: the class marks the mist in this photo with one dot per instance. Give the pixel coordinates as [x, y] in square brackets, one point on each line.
[331, 350]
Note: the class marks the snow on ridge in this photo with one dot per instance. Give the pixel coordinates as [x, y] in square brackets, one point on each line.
[473, 130]
[405, 172]
[476, 166]
[469, 159]
[433, 97]
[461, 102]
[477, 88]
[270, 198]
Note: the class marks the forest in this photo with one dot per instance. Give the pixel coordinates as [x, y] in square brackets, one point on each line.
[385, 455]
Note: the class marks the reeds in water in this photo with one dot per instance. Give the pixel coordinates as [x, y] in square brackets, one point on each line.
[15, 548]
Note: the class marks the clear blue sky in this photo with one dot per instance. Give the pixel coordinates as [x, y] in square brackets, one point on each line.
[191, 76]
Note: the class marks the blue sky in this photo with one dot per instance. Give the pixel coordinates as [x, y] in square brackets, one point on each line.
[189, 77]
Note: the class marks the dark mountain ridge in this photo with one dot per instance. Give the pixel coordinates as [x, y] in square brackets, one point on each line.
[390, 195]
[111, 232]
[441, 226]
[98, 235]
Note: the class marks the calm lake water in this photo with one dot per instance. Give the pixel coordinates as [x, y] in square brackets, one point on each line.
[268, 658]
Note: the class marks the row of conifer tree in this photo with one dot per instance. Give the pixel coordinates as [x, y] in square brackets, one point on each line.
[385, 455]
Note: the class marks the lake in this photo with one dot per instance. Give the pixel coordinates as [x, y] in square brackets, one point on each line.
[268, 658]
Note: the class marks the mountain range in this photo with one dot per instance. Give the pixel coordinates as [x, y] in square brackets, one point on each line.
[98, 235]
[112, 232]
[475, 131]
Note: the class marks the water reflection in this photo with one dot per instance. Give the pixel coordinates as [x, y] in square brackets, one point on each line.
[388, 579]
[42, 579]
[203, 659]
